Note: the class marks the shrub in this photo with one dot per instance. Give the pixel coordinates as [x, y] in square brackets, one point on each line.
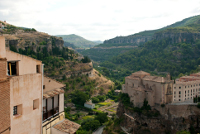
[198, 105]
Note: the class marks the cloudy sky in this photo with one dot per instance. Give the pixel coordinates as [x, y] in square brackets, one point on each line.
[96, 19]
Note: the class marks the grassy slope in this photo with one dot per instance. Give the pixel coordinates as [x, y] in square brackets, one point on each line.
[78, 41]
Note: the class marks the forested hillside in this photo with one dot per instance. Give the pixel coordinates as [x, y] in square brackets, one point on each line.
[78, 41]
[175, 50]
[177, 32]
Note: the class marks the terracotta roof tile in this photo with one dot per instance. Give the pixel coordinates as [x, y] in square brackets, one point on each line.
[67, 126]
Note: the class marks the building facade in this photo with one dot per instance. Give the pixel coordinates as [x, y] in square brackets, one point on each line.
[22, 90]
[141, 85]
[186, 88]
[30, 103]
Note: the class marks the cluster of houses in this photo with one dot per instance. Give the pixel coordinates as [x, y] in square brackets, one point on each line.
[30, 102]
[161, 90]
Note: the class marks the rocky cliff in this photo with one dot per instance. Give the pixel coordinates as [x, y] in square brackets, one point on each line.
[34, 40]
[167, 119]
[177, 37]
[133, 39]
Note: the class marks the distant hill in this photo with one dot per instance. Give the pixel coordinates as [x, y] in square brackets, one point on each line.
[144, 36]
[78, 41]
[122, 44]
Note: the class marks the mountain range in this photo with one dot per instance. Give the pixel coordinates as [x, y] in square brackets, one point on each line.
[174, 49]
[78, 41]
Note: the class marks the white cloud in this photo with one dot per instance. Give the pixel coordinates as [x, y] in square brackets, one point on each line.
[96, 20]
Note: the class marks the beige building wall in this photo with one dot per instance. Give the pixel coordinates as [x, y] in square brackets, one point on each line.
[2, 47]
[26, 65]
[61, 102]
[23, 90]
[51, 84]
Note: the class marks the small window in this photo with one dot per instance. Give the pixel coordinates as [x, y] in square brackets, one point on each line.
[194, 85]
[12, 68]
[188, 86]
[188, 91]
[133, 84]
[199, 89]
[179, 92]
[174, 87]
[174, 92]
[49, 80]
[179, 99]
[43, 86]
[179, 87]
[185, 92]
[38, 69]
[191, 85]
[179, 96]
[17, 110]
[185, 86]
[35, 104]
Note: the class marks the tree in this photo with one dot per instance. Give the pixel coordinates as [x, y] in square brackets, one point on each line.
[79, 97]
[86, 59]
[101, 117]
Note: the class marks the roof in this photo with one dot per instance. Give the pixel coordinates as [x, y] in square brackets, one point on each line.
[52, 93]
[139, 73]
[89, 103]
[154, 78]
[67, 126]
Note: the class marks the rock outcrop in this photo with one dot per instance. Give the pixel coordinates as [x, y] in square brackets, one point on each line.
[133, 39]
[167, 119]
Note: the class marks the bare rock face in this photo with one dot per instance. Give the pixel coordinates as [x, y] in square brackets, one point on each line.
[179, 37]
[134, 39]
[171, 119]
[34, 40]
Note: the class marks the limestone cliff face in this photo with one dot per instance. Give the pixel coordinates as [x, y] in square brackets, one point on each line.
[170, 120]
[134, 39]
[177, 37]
[33, 40]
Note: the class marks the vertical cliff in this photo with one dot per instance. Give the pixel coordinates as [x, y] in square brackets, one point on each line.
[167, 119]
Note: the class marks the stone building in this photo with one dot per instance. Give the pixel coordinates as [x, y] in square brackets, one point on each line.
[27, 105]
[89, 104]
[54, 121]
[141, 85]
[20, 93]
[186, 88]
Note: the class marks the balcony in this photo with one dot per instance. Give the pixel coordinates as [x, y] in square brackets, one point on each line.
[51, 113]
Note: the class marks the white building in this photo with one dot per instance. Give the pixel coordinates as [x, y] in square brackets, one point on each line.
[186, 88]
[89, 104]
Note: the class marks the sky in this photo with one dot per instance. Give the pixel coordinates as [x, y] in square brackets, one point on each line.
[96, 19]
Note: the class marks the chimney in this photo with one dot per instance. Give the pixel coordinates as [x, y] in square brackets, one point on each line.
[3, 60]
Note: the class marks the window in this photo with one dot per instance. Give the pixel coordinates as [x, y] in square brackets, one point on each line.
[188, 91]
[191, 85]
[174, 92]
[35, 104]
[17, 110]
[194, 85]
[188, 86]
[179, 99]
[185, 86]
[43, 86]
[199, 89]
[133, 84]
[191, 90]
[179, 96]
[174, 87]
[185, 92]
[12, 68]
[179, 92]
[38, 69]
[179, 87]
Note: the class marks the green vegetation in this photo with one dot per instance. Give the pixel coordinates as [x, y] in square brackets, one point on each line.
[79, 97]
[183, 132]
[198, 105]
[78, 41]
[156, 57]
[101, 55]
